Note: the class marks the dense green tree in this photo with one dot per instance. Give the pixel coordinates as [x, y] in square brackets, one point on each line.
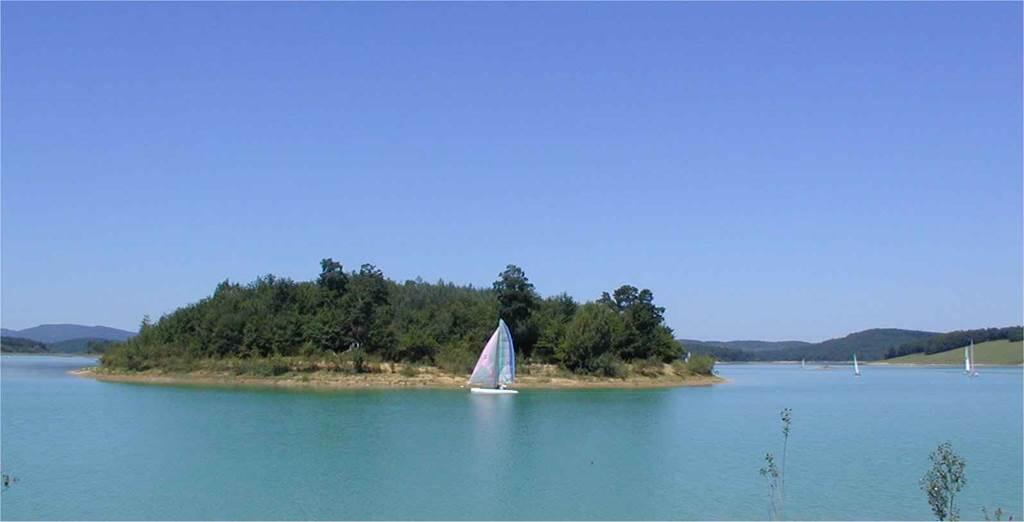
[644, 334]
[590, 334]
[366, 309]
[518, 300]
[552, 318]
[332, 278]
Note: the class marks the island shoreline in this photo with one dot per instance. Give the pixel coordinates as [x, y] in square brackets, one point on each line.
[387, 381]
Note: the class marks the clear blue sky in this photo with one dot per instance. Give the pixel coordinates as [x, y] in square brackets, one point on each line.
[785, 171]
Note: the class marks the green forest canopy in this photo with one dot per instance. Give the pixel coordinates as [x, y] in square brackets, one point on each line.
[443, 324]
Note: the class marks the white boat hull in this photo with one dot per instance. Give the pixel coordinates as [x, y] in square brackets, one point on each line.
[493, 391]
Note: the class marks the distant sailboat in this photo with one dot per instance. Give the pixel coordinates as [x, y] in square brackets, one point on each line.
[856, 368]
[972, 368]
[496, 367]
[967, 359]
[803, 364]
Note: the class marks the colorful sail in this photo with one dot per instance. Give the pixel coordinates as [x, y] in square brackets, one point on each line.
[485, 373]
[506, 355]
[497, 363]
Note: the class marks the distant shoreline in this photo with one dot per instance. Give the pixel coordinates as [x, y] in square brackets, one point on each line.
[424, 378]
[61, 354]
[817, 364]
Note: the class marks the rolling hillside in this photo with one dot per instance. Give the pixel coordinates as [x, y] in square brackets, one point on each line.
[82, 345]
[990, 352]
[868, 345]
[747, 346]
[55, 333]
[9, 344]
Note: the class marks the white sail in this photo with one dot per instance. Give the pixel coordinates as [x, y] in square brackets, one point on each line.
[803, 363]
[496, 367]
[856, 368]
[973, 366]
[967, 360]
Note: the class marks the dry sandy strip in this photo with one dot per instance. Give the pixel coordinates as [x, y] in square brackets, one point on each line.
[424, 378]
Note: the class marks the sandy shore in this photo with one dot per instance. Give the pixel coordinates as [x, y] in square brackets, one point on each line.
[424, 378]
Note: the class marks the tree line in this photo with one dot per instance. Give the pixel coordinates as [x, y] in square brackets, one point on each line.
[362, 312]
[953, 340]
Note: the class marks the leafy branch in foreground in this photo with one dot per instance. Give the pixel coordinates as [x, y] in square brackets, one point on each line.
[943, 481]
[776, 476]
[996, 515]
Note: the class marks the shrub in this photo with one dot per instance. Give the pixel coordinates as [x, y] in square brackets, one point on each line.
[701, 364]
[408, 371]
[680, 368]
[457, 358]
[609, 365]
[358, 358]
[417, 346]
[650, 367]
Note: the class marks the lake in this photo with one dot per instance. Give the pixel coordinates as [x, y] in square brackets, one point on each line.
[83, 449]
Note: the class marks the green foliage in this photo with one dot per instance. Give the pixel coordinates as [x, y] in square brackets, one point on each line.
[998, 514]
[551, 320]
[610, 365]
[358, 358]
[10, 344]
[943, 481]
[701, 364]
[644, 334]
[518, 300]
[650, 367]
[1015, 334]
[589, 335]
[776, 475]
[351, 321]
[718, 351]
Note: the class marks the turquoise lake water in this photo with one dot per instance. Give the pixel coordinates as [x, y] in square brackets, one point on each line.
[83, 449]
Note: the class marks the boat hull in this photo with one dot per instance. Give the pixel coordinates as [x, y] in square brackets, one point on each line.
[493, 391]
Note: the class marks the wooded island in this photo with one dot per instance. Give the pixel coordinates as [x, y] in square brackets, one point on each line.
[360, 323]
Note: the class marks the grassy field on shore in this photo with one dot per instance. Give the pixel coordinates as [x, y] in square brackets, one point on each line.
[991, 352]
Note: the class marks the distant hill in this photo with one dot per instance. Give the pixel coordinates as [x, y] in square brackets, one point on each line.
[55, 333]
[80, 345]
[716, 350]
[1002, 351]
[868, 345]
[10, 344]
[749, 346]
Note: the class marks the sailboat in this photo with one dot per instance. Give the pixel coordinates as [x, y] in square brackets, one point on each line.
[856, 368]
[496, 368]
[967, 359]
[803, 364]
[970, 368]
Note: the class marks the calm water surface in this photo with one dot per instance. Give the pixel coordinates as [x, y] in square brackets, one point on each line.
[83, 449]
